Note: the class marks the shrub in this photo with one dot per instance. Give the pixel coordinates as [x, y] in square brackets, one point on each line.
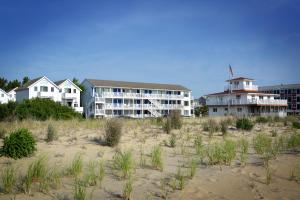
[192, 168]
[51, 133]
[8, 178]
[127, 189]
[244, 124]
[214, 153]
[244, 146]
[296, 124]
[229, 151]
[176, 121]
[79, 190]
[156, 157]
[91, 176]
[211, 126]
[173, 140]
[293, 141]
[43, 109]
[124, 161]
[199, 147]
[18, 144]
[76, 166]
[113, 132]
[168, 125]
[224, 127]
[261, 119]
[261, 143]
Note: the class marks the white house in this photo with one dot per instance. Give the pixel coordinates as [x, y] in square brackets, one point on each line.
[106, 98]
[242, 98]
[12, 94]
[4, 98]
[41, 87]
[70, 94]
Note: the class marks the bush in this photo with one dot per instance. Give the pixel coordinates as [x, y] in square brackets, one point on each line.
[168, 125]
[296, 125]
[113, 132]
[176, 121]
[261, 119]
[229, 151]
[224, 126]
[18, 144]
[261, 143]
[51, 133]
[211, 126]
[156, 157]
[40, 109]
[244, 123]
[293, 141]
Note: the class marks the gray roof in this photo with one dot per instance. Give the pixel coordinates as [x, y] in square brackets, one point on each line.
[282, 86]
[30, 82]
[125, 84]
[60, 82]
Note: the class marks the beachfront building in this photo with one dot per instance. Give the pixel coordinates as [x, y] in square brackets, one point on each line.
[242, 98]
[66, 93]
[70, 94]
[105, 98]
[289, 92]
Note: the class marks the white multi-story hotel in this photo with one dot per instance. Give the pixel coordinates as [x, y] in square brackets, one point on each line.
[242, 98]
[105, 98]
[66, 92]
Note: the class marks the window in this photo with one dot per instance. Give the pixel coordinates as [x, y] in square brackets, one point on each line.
[289, 91]
[247, 83]
[298, 91]
[74, 91]
[186, 112]
[298, 106]
[68, 90]
[186, 94]
[226, 109]
[238, 96]
[137, 91]
[75, 105]
[2, 95]
[215, 110]
[169, 92]
[289, 99]
[60, 90]
[298, 99]
[44, 89]
[35, 88]
[186, 103]
[261, 97]
[52, 89]
[239, 109]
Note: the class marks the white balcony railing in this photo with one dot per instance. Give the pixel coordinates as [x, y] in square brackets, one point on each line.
[249, 101]
[99, 112]
[242, 87]
[45, 95]
[139, 95]
[78, 109]
[69, 96]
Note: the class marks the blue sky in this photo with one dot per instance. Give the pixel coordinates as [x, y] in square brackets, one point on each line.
[183, 42]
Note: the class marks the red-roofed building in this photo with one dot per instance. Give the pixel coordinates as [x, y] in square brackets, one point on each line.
[242, 98]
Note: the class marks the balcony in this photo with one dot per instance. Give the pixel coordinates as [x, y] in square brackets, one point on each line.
[99, 112]
[242, 87]
[270, 102]
[139, 95]
[78, 109]
[45, 95]
[69, 96]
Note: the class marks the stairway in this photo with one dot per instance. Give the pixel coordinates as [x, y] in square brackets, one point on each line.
[154, 107]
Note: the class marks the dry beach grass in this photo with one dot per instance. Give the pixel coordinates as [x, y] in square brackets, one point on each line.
[193, 162]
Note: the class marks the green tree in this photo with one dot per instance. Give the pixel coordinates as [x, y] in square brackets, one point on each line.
[12, 84]
[204, 110]
[76, 82]
[25, 80]
[3, 82]
[197, 111]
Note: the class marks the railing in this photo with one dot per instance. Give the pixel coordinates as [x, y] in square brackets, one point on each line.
[45, 95]
[69, 96]
[99, 99]
[248, 101]
[78, 109]
[242, 87]
[139, 95]
[99, 112]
